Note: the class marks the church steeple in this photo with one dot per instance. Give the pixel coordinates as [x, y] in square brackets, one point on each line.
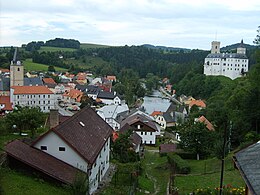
[16, 71]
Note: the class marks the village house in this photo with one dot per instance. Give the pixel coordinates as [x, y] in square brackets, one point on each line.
[208, 124]
[174, 115]
[80, 143]
[109, 97]
[186, 100]
[199, 103]
[32, 96]
[72, 96]
[109, 113]
[144, 126]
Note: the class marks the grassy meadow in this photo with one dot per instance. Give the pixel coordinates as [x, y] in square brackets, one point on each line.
[31, 66]
[55, 49]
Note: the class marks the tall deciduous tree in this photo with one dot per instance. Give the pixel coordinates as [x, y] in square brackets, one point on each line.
[25, 118]
[196, 138]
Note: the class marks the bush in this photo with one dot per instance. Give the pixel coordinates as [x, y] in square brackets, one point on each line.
[186, 155]
[181, 166]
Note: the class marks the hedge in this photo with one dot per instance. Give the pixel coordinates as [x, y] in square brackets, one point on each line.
[181, 166]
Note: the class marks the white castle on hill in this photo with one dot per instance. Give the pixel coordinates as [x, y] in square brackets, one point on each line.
[231, 65]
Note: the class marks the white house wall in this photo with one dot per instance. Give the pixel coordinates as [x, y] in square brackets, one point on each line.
[100, 167]
[229, 67]
[147, 137]
[53, 142]
[44, 101]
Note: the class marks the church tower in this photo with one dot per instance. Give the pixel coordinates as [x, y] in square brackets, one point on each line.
[241, 48]
[215, 47]
[16, 71]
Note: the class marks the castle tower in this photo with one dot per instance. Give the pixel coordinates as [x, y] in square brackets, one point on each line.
[16, 71]
[215, 47]
[241, 48]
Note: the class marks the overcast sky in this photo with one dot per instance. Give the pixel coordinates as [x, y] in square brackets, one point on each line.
[177, 23]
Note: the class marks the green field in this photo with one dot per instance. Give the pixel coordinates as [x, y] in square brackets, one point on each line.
[14, 182]
[54, 49]
[31, 66]
[91, 45]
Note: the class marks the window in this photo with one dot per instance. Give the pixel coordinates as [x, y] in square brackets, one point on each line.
[43, 147]
[151, 133]
[62, 149]
[150, 142]
[43, 96]
[18, 69]
[49, 96]
[141, 133]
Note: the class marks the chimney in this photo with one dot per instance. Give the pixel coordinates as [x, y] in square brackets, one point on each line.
[54, 118]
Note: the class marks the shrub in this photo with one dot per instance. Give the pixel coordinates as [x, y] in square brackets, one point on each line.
[181, 166]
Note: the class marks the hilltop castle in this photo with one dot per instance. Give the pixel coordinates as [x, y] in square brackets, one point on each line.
[232, 65]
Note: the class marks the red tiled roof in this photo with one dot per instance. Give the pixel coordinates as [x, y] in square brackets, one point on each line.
[208, 124]
[6, 101]
[156, 113]
[74, 94]
[48, 81]
[111, 78]
[31, 90]
[4, 70]
[41, 161]
[166, 148]
[86, 133]
[198, 103]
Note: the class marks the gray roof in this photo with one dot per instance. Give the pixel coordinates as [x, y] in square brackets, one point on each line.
[248, 162]
[227, 55]
[168, 117]
[81, 87]
[175, 108]
[4, 84]
[106, 95]
[33, 81]
[93, 89]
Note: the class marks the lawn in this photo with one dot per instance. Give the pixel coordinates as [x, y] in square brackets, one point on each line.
[206, 173]
[54, 49]
[14, 182]
[31, 66]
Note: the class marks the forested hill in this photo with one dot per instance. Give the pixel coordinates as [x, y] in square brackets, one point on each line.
[145, 61]
[235, 46]
[164, 48]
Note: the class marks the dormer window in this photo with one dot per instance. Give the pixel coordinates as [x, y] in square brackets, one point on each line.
[62, 149]
[43, 147]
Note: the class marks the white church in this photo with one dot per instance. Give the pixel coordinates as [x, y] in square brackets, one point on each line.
[232, 65]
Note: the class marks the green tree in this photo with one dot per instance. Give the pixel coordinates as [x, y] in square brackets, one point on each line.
[257, 39]
[51, 69]
[122, 148]
[86, 101]
[196, 138]
[25, 118]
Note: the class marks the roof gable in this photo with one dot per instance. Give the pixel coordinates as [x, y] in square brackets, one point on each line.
[85, 132]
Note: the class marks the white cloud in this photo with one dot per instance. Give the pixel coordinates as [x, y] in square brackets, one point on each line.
[118, 22]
